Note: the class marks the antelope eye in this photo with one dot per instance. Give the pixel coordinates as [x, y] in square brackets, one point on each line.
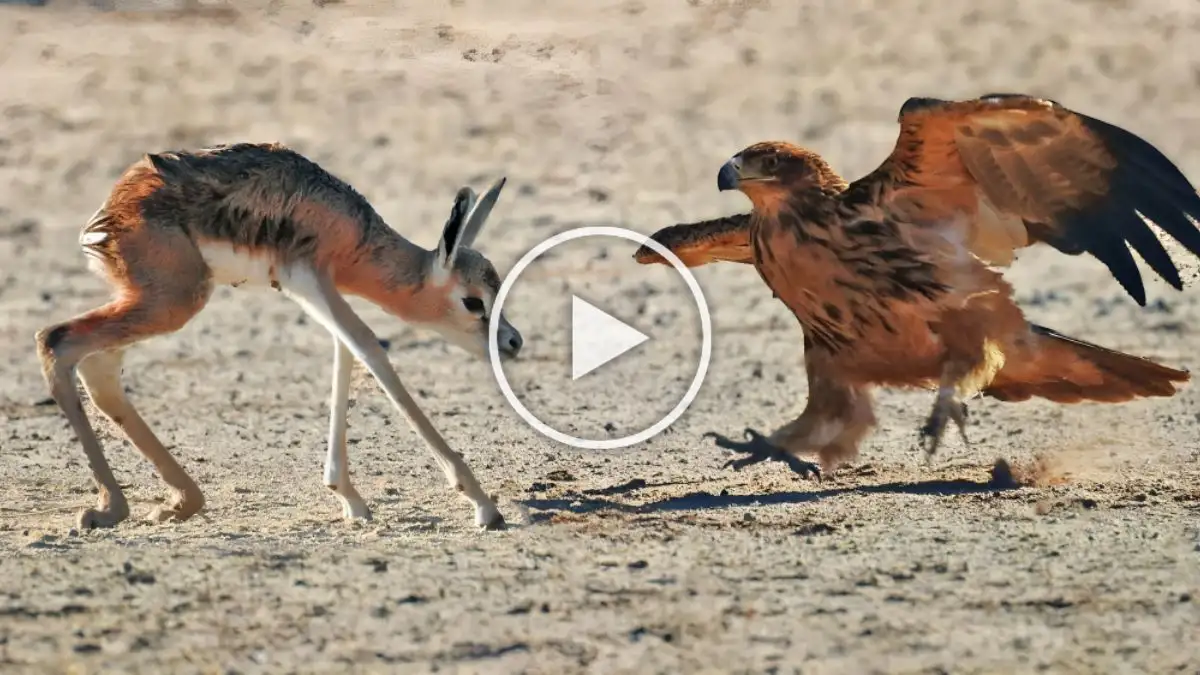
[473, 305]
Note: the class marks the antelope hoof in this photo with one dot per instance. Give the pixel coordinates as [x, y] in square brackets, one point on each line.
[354, 508]
[490, 520]
[356, 513]
[179, 510]
[90, 519]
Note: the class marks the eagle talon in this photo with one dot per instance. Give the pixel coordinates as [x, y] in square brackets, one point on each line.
[758, 449]
[962, 424]
[935, 426]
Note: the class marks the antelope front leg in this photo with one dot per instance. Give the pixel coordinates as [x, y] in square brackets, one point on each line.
[337, 463]
[318, 297]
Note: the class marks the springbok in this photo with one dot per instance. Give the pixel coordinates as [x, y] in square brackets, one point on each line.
[177, 224]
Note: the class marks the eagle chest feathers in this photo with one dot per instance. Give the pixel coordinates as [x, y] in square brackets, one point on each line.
[853, 281]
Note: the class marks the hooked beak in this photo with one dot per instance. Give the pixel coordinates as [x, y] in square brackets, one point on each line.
[730, 174]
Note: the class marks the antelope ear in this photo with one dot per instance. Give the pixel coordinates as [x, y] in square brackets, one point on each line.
[480, 210]
[452, 234]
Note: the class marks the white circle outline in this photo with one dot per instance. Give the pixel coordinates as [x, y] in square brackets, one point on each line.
[705, 348]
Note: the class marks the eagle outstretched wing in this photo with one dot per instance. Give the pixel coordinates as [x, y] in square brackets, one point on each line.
[1025, 170]
[701, 243]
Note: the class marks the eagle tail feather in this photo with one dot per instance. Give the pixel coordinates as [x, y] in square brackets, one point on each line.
[1067, 370]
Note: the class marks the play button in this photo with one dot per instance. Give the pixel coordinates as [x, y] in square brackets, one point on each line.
[629, 386]
[598, 337]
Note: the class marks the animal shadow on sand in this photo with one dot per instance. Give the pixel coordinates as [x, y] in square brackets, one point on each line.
[593, 500]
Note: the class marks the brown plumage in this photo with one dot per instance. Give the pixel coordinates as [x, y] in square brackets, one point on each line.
[893, 277]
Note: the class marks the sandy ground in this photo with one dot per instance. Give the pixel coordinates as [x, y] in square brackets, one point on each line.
[649, 559]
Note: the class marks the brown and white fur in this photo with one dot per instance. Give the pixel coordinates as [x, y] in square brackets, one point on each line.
[177, 224]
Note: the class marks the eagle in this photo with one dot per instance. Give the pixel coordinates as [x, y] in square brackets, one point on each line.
[895, 278]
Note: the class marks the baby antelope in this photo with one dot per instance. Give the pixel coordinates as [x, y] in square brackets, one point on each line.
[177, 224]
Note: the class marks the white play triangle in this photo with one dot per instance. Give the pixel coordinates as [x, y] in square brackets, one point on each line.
[598, 337]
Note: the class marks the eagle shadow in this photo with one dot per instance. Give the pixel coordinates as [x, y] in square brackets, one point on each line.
[591, 501]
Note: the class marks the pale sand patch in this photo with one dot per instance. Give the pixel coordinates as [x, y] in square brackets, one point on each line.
[646, 560]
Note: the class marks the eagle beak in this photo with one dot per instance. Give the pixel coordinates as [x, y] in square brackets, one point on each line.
[730, 174]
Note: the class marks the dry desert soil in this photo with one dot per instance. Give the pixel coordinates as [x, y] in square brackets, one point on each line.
[648, 559]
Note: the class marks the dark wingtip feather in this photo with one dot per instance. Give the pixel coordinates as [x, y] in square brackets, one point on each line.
[1115, 254]
[1158, 187]
[1129, 145]
[1147, 245]
[1144, 182]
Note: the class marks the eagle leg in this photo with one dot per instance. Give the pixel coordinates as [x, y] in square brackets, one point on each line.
[947, 408]
[758, 449]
